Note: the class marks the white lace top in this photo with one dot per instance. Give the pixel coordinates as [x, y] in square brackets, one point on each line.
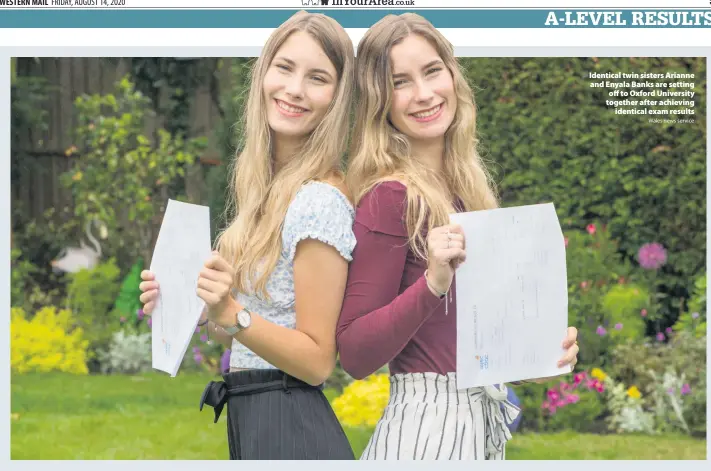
[318, 211]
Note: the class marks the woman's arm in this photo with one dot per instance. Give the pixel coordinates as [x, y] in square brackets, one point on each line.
[309, 351]
[376, 322]
[318, 241]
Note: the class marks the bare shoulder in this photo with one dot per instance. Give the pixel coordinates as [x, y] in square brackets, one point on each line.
[338, 181]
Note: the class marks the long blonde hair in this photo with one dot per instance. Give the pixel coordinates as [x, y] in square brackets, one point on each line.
[260, 197]
[380, 152]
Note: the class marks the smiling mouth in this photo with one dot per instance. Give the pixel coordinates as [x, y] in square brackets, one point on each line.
[288, 109]
[428, 115]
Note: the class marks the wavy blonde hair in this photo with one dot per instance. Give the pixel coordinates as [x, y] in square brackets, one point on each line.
[380, 152]
[259, 196]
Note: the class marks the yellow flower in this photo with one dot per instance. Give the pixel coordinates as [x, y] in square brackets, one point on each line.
[598, 374]
[46, 342]
[363, 401]
[633, 392]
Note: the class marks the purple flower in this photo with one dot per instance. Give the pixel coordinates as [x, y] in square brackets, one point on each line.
[685, 389]
[601, 331]
[618, 326]
[198, 358]
[140, 314]
[203, 338]
[660, 337]
[150, 322]
[225, 361]
[197, 330]
[652, 256]
[669, 330]
[196, 349]
[695, 315]
[670, 391]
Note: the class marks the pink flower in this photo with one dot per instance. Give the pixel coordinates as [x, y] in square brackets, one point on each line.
[601, 331]
[560, 403]
[643, 312]
[545, 405]
[553, 395]
[685, 389]
[565, 387]
[669, 330]
[198, 358]
[591, 229]
[652, 256]
[660, 337]
[573, 398]
[578, 378]
[583, 284]
[140, 314]
[203, 338]
[600, 388]
[566, 241]
[122, 319]
[150, 322]
[618, 326]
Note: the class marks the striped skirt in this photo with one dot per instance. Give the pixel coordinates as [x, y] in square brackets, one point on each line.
[427, 418]
[274, 416]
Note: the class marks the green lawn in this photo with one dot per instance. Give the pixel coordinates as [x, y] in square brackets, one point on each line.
[156, 417]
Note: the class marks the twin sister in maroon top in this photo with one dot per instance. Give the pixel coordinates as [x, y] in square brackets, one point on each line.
[389, 315]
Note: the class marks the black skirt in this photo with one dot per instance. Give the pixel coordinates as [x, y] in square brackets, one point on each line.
[274, 416]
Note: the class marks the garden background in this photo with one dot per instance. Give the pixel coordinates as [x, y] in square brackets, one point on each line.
[102, 143]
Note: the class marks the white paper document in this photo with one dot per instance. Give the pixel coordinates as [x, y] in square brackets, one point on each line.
[182, 248]
[512, 296]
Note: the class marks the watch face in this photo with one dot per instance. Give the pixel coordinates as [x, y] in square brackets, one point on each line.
[244, 319]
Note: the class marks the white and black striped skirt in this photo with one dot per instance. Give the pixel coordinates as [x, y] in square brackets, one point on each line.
[274, 416]
[427, 418]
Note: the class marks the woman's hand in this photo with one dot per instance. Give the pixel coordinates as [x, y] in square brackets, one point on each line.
[149, 287]
[214, 287]
[446, 251]
[570, 357]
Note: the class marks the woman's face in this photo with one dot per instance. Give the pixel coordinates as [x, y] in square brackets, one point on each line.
[299, 86]
[424, 101]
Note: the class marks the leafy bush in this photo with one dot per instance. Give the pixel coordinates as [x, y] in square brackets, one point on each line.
[128, 353]
[121, 176]
[48, 342]
[551, 137]
[645, 365]
[604, 302]
[694, 320]
[91, 296]
[37, 243]
[22, 271]
[577, 405]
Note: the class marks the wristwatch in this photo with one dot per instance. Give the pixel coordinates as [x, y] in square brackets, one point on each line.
[243, 320]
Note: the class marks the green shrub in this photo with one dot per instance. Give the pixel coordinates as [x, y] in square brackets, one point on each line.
[644, 364]
[91, 296]
[550, 137]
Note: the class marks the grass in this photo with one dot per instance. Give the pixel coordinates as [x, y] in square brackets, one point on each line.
[57, 416]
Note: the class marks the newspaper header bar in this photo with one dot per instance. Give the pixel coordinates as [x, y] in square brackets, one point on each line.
[356, 4]
[480, 19]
